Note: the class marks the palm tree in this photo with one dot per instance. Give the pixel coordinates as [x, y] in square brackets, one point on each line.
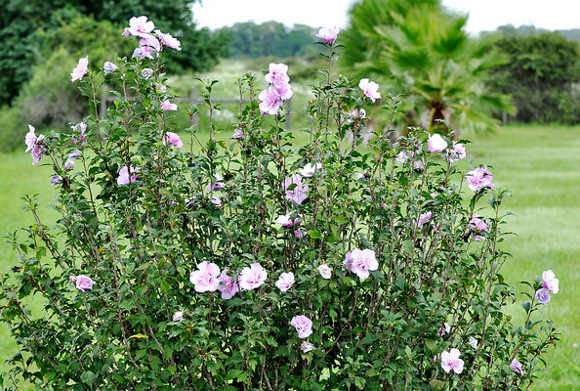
[419, 49]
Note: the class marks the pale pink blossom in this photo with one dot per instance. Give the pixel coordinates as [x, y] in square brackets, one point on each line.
[109, 67]
[543, 296]
[84, 283]
[238, 134]
[55, 180]
[516, 367]
[325, 271]
[144, 52]
[285, 221]
[478, 226]
[127, 176]
[270, 101]
[285, 281]
[310, 169]
[480, 178]
[139, 26]
[80, 70]
[298, 233]
[172, 139]
[206, 277]
[450, 361]
[473, 342]
[303, 326]
[328, 35]
[216, 201]
[228, 286]
[166, 105]
[147, 73]
[306, 347]
[168, 40]
[277, 75]
[456, 153]
[296, 190]
[357, 114]
[444, 329]
[34, 145]
[177, 316]
[151, 42]
[424, 218]
[402, 157]
[361, 262]
[436, 143]
[252, 277]
[550, 282]
[370, 89]
[69, 164]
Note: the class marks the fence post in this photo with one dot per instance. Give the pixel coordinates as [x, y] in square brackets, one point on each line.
[289, 114]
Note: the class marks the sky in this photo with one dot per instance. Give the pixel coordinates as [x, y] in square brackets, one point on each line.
[484, 15]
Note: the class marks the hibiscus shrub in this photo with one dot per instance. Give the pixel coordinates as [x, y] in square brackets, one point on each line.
[356, 260]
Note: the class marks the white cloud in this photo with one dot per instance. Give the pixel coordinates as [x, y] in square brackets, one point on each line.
[483, 14]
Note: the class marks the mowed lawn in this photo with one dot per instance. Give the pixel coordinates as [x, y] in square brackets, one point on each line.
[539, 164]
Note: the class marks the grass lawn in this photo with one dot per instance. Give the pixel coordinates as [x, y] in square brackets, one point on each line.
[540, 164]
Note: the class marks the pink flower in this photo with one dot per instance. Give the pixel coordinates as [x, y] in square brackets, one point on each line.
[144, 52]
[69, 164]
[325, 271]
[303, 326]
[357, 114]
[177, 316]
[139, 26]
[109, 67]
[172, 139]
[285, 221]
[306, 346]
[125, 177]
[310, 169]
[295, 189]
[216, 201]
[444, 330]
[457, 153]
[34, 145]
[270, 101]
[84, 283]
[480, 178]
[298, 233]
[550, 282]
[80, 70]
[543, 296]
[450, 361]
[516, 367]
[252, 277]
[168, 40]
[151, 42]
[328, 35]
[436, 143]
[228, 286]
[277, 75]
[479, 226]
[147, 73]
[206, 277]
[238, 134]
[424, 218]
[30, 138]
[361, 262]
[55, 180]
[285, 281]
[168, 106]
[472, 342]
[370, 89]
[217, 185]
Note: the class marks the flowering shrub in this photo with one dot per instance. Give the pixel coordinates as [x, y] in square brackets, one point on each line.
[350, 262]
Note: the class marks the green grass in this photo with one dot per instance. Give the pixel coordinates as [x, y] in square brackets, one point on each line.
[539, 164]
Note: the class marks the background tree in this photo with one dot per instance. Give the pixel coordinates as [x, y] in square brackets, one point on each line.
[420, 49]
[269, 39]
[20, 21]
[541, 75]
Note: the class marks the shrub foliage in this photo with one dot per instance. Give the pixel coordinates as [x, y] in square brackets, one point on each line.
[346, 262]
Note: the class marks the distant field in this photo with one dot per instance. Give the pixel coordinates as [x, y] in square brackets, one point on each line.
[541, 166]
